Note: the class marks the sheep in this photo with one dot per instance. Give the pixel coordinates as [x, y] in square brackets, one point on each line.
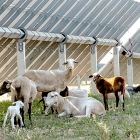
[110, 85]
[78, 93]
[5, 87]
[13, 111]
[53, 80]
[78, 107]
[23, 89]
[62, 93]
[130, 89]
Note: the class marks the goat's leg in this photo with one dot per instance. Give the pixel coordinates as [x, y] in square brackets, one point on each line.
[117, 99]
[5, 119]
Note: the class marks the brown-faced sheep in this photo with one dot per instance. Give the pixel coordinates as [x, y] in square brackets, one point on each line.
[110, 85]
[5, 87]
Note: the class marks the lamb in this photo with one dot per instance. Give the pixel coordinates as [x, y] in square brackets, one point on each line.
[62, 93]
[81, 93]
[110, 85]
[78, 107]
[23, 89]
[13, 111]
[53, 80]
[5, 87]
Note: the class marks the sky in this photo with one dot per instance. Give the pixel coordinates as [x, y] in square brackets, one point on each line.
[124, 39]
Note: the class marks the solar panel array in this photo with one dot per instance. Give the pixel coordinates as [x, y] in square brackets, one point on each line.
[108, 19]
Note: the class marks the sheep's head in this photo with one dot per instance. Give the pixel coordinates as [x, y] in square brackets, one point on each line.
[5, 87]
[70, 63]
[96, 77]
[18, 103]
[51, 98]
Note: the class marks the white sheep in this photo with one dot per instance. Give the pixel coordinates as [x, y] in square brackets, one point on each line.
[53, 80]
[78, 93]
[13, 111]
[78, 107]
[23, 89]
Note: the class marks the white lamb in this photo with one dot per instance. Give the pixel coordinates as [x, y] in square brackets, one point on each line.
[25, 90]
[53, 80]
[78, 107]
[81, 93]
[13, 111]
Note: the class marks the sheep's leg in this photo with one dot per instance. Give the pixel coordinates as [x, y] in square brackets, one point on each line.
[62, 114]
[5, 119]
[22, 115]
[12, 122]
[19, 116]
[46, 111]
[52, 110]
[106, 101]
[117, 99]
[123, 103]
[29, 111]
[44, 105]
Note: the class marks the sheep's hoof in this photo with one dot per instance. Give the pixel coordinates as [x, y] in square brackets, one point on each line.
[123, 109]
[46, 114]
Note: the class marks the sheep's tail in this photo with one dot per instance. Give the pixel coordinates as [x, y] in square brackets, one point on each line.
[122, 92]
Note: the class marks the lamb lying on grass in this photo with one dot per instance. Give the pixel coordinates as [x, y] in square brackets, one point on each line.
[13, 111]
[81, 93]
[78, 107]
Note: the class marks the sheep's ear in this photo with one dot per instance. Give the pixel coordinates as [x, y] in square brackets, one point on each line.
[90, 76]
[76, 62]
[56, 94]
[14, 103]
[65, 63]
[99, 75]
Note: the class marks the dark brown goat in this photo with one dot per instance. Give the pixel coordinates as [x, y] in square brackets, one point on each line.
[5, 87]
[110, 85]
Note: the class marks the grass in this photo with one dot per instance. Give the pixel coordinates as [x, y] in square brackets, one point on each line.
[115, 125]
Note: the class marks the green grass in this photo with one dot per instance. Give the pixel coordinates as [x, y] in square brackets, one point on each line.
[115, 125]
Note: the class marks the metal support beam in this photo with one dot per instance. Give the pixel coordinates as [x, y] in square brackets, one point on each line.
[78, 81]
[129, 71]
[116, 61]
[94, 66]
[62, 53]
[21, 64]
